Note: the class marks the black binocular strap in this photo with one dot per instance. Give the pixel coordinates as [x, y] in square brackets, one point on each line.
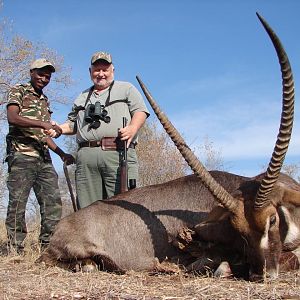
[107, 101]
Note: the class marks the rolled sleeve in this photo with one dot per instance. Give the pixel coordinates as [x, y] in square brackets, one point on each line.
[136, 102]
[15, 96]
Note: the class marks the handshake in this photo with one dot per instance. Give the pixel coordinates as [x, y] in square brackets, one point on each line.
[52, 129]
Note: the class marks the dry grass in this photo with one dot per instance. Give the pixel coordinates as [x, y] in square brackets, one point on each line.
[21, 278]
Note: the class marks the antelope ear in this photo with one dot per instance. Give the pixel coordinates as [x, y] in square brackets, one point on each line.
[218, 213]
[216, 227]
[291, 196]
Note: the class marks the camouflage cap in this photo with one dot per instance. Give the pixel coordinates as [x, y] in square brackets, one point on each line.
[101, 55]
[41, 63]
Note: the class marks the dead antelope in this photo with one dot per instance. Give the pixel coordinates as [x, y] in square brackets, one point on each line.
[262, 217]
[258, 217]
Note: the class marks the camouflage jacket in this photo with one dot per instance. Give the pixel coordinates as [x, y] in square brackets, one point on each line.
[33, 106]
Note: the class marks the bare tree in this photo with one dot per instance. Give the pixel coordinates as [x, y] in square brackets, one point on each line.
[159, 159]
[16, 55]
[211, 157]
[292, 170]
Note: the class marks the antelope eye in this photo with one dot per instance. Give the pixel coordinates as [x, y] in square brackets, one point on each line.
[272, 220]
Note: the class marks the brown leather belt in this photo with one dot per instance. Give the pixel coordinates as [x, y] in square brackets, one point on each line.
[106, 143]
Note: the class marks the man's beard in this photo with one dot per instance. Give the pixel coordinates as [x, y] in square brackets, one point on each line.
[104, 85]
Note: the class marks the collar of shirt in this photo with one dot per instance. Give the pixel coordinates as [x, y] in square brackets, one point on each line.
[33, 91]
[100, 92]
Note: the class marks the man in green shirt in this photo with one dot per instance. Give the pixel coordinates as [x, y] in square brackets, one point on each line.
[100, 139]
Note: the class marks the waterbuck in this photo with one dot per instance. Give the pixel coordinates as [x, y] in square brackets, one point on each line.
[257, 218]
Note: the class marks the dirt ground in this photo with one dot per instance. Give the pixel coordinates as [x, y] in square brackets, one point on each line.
[21, 278]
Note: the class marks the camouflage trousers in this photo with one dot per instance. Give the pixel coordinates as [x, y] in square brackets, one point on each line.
[26, 173]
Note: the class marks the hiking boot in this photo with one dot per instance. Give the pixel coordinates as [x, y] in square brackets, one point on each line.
[15, 248]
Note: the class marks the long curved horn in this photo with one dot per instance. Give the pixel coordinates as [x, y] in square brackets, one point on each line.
[221, 195]
[287, 116]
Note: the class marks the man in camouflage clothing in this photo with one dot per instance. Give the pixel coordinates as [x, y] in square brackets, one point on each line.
[28, 157]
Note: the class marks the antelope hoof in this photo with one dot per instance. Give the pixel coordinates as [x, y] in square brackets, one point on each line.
[86, 266]
[223, 271]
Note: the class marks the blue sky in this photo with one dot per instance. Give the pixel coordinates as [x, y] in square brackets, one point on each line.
[209, 64]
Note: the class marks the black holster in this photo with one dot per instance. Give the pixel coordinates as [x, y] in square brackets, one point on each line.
[46, 155]
[38, 146]
[10, 152]
[43, 150]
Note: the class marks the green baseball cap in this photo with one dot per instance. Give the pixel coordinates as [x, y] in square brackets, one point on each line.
[41, 63]
[101, 55]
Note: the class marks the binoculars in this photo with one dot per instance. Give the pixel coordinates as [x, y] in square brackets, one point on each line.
[94, 114]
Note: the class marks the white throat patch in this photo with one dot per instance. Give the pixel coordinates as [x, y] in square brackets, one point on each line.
[293, 230]
[264, 243]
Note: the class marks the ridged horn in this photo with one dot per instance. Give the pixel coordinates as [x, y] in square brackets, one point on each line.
[286, 124]
[221, 195]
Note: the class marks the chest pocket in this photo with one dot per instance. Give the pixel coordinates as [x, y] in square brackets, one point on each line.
[35, 108]
[28, 102]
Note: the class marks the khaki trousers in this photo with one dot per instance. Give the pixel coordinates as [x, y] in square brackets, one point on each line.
[98, 173]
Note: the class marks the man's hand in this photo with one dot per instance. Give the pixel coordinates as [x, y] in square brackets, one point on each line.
[53, 129]
[68, 158]
[127, 133]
